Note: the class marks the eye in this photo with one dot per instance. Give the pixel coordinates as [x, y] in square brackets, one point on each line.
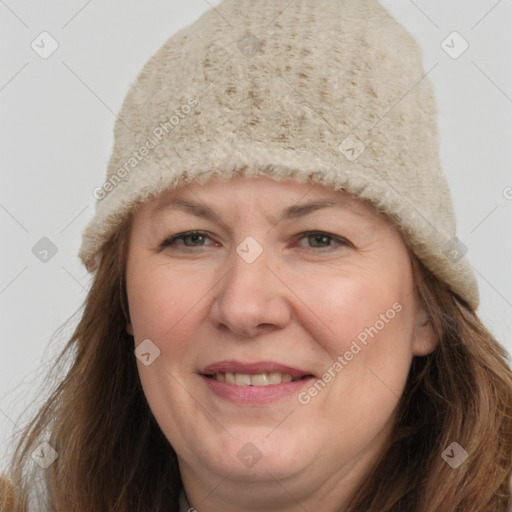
[193, 236]
[320, 237]
[192, 239]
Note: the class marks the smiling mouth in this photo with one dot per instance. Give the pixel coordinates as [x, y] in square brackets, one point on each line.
[259, 379]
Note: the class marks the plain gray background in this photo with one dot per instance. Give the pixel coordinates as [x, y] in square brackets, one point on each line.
[57, 116]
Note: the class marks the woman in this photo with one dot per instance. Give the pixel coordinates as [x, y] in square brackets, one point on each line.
[281, 317]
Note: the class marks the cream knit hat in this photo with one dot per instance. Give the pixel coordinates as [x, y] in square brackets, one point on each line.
[325, 91]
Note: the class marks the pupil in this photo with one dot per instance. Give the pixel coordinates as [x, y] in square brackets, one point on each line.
[319, 237]
[194, 237]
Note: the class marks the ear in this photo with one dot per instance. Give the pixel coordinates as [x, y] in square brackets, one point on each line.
[129, 328]
[425, 339]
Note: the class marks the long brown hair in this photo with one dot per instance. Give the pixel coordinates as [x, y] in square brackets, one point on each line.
[112, 455]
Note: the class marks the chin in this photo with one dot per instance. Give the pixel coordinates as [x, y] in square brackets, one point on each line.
[257, 455]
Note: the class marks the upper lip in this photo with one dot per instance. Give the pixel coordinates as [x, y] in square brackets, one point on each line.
[254, 368]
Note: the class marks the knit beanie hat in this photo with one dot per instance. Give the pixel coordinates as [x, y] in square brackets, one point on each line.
[319, 91]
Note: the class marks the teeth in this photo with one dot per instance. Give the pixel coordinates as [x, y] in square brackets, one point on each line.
[242, 379]
[261, 379]
[274, 378]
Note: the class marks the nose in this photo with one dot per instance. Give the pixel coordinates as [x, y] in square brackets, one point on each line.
[252, 298]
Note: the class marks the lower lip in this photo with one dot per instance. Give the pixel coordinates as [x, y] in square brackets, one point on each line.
[254, 395]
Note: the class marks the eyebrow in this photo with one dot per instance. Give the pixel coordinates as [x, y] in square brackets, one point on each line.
[291, 212]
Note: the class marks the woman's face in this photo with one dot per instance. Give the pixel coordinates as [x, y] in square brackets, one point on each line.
[278, 340]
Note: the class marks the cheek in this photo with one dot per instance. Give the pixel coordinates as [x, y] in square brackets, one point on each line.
[369, 342]
[160, 300]
[357, 305]
[163, 307]
[368, 364]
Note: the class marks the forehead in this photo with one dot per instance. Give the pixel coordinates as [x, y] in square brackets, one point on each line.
[288, 198]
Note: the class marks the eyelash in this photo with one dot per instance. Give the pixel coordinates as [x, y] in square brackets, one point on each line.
[168, 242]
